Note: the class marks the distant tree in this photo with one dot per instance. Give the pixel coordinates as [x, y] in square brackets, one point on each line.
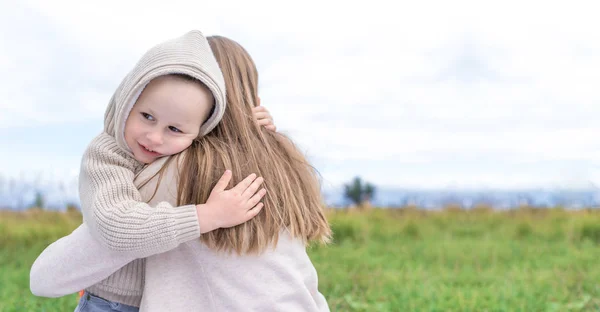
[353, 191]
[359, 192]
[39, 201]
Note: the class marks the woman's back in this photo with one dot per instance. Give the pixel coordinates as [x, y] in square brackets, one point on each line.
[194, 276]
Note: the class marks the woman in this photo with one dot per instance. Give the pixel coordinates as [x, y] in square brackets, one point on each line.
[260, 265]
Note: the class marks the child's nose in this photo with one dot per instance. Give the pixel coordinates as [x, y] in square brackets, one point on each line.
[155, 137]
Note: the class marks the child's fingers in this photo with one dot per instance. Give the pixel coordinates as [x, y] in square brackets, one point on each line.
[254, 211]
[257, 197]
[265, 122]
[259, 109]
[223, 181]
[242, 186]
[271, 128]
[262, 115]
[252, 188]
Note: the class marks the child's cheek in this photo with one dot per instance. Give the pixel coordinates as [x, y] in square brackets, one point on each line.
[182, 145]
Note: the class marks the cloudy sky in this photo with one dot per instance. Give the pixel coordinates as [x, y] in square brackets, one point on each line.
[413, 94]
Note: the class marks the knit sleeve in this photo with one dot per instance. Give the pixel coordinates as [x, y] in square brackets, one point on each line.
[114, 211]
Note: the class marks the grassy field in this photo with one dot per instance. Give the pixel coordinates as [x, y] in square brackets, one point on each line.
[395, 260]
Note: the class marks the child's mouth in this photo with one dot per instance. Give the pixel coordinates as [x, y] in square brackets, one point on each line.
[148, 151]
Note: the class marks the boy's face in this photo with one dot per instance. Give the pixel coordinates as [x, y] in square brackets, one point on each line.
[167, 117]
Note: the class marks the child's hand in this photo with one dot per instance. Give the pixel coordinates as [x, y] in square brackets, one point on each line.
[264, 118]
[227, 208]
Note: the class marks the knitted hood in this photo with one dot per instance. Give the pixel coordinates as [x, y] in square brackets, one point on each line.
[190, 55]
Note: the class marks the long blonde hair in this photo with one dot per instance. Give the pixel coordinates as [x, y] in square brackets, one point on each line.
[293, 201]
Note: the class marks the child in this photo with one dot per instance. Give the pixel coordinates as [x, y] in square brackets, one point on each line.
[174, 95]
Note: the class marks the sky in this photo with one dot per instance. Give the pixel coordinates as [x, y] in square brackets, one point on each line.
[412, 94]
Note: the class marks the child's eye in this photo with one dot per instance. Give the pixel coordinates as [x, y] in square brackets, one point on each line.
[174, 129]
[148, 116]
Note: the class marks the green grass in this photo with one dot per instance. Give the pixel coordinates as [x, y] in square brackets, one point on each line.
[396, 260]
[23, 236]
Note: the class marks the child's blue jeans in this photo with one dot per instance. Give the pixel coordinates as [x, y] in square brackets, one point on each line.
[91, 303]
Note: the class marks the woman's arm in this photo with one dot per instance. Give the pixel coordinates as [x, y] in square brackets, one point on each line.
[73, 263]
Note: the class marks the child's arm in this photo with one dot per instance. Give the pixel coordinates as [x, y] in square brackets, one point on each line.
[114, 210]
[72, 263]
[119, 219]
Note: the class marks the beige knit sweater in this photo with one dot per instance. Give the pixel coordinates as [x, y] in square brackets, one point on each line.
[112, 207]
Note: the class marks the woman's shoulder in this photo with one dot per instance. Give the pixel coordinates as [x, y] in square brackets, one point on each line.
[168, 166]
[158, 181]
